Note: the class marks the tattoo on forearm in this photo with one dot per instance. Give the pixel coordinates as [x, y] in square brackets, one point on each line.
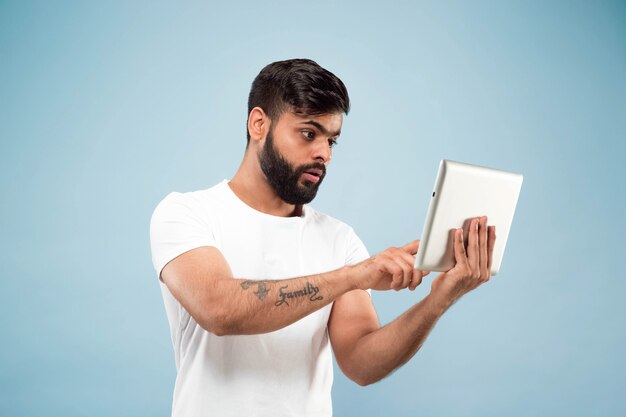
[309, 290]
[261, 288]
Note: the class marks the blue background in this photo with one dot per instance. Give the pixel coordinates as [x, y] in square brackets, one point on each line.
[106, 107]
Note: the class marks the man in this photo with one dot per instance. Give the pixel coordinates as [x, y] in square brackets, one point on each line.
[258, 286]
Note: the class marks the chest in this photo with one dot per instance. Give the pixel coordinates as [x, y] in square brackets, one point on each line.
[265, 250]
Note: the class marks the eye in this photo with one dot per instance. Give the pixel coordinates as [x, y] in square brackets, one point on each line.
[308, 134]
[332, 142]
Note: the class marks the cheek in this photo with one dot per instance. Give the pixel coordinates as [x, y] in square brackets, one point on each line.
[297, 149]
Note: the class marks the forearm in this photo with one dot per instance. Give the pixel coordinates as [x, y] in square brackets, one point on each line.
[239, 306]
[379, 353]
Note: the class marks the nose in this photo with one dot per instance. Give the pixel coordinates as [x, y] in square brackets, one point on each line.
[322, 152]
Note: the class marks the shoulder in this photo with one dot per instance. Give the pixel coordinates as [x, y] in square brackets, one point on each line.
[192, 207]
[192, 199]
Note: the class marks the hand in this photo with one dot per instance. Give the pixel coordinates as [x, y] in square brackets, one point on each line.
[473, 266]
[390, 269]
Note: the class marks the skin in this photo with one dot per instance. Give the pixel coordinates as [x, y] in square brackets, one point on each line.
[203, 283]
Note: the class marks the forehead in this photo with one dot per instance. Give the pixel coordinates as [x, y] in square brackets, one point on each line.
[330, 122]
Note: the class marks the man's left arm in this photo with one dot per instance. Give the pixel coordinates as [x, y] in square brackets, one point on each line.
[366, 352]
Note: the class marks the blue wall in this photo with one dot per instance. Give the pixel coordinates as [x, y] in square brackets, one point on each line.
[108, 106]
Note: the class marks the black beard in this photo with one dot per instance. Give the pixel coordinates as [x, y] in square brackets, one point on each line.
[284, 179]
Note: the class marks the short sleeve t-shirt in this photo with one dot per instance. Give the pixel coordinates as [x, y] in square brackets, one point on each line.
[287, 372]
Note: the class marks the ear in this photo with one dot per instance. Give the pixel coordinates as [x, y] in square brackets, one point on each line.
[258, 124]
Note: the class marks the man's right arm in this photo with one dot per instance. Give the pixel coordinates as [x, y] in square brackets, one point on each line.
[203, 283]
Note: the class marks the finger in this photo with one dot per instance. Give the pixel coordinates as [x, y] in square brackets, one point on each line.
[407, 272]
[417, 279]
[406, 261]
[491, 245]
[418, 275]
[396, 272]
[406, 257]
[411, 247]
[473, 255]
[460, 255]
[482, 241]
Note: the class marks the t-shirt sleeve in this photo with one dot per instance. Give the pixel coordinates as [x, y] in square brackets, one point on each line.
[177, 225]
[356, 250]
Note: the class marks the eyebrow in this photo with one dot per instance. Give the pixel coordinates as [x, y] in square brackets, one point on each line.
[322, 128]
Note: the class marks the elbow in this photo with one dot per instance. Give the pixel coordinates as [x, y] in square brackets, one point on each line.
[215, 329]
[221, 332]
[359, 373]
[216, 322]
[364, 381]
[212, 326]
[363, 378]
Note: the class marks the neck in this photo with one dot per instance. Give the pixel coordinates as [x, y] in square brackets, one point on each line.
[250, 186]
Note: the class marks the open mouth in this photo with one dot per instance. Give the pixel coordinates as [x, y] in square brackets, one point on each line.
[313, 175]
[314, 171]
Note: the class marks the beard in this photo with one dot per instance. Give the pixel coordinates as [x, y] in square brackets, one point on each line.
[284, 178]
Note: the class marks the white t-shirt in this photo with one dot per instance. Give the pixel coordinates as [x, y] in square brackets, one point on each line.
[287, 372]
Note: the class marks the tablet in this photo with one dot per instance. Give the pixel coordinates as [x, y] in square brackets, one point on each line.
[462, 192]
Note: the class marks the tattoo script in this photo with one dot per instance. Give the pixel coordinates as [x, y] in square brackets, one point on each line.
[261, 288]
[309, 290]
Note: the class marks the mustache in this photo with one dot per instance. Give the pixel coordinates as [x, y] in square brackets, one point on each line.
[317, 165]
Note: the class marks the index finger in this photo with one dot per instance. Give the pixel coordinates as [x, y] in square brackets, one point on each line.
[412, 247]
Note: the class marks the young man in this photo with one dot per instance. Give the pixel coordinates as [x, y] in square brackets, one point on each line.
[258, 286]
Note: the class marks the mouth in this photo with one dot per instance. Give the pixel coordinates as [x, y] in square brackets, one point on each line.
[314, 171]
[313, 175]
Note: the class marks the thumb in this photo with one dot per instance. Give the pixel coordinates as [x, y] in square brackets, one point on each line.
[412, 247]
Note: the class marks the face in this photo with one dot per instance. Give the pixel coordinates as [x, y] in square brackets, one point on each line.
[296, 173]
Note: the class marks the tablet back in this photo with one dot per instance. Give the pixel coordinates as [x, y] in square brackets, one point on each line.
[463, 191]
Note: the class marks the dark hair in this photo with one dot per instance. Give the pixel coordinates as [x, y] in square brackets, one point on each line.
[298, 85]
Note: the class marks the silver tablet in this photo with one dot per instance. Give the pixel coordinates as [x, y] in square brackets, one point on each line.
[462, 192]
